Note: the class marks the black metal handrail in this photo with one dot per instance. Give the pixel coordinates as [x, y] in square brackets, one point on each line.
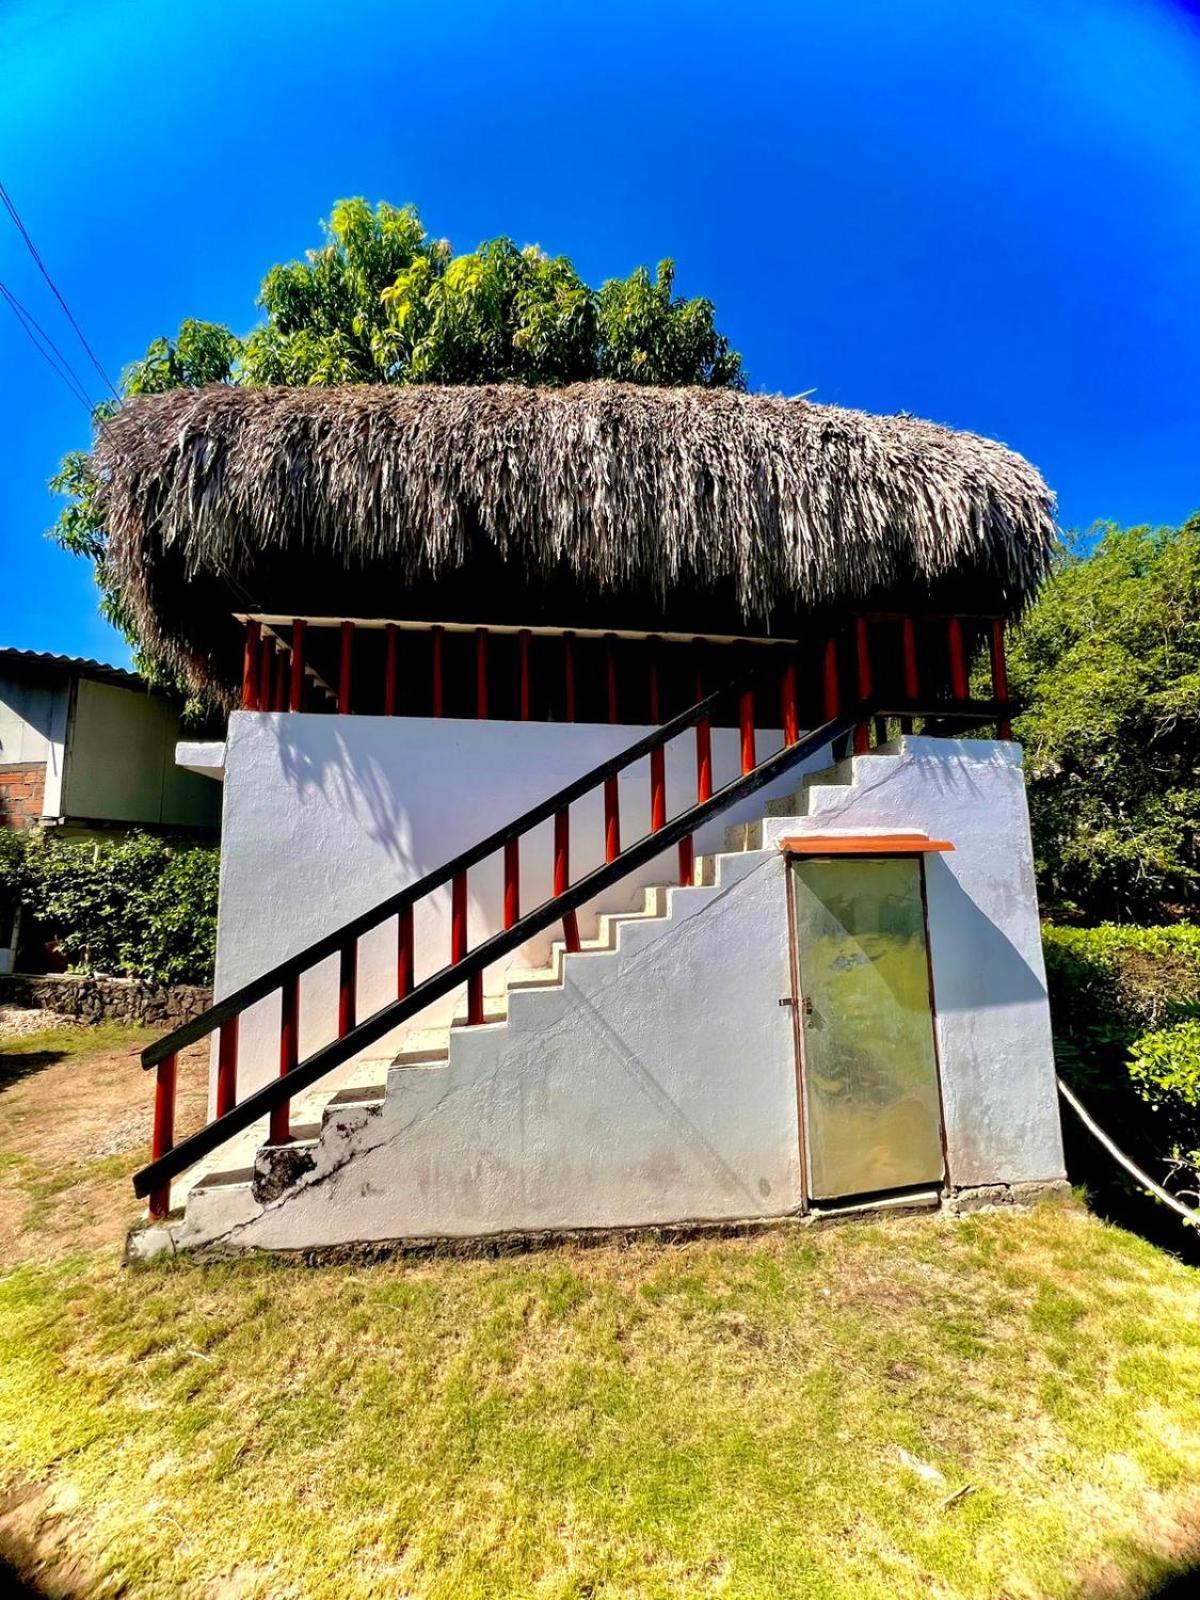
[329, 944]
[262, 1101]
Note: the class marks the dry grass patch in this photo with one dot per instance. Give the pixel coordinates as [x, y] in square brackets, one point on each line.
[1003, 1406]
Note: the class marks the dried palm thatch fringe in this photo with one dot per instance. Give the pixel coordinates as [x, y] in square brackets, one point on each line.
[783, 505]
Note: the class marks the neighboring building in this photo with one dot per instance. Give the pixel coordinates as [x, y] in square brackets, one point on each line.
[88, 748]
[596, 848]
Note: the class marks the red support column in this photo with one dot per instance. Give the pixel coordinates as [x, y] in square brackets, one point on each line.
[512, 882]
[481, 672]
[791, 711]
[523, 639]
[296, 698]
[562, 873]
[163, 1138]
[266, 660]
[833, 697]
[862, 645]
[346, 669]
[250, 667]
[227, 1062]
[437, 641]
[746, 725]
[280, 1129]
[958, 658]
[390, 670]
[282, 676]
[568, 640]
[1000, 676]
[404, 952]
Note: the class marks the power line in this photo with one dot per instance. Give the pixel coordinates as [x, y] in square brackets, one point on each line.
[24, 232]
[35, 333]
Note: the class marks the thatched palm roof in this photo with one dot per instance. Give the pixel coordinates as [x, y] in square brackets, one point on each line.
[507, 503]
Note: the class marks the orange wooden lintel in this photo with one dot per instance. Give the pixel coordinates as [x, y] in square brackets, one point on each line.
[862, 844]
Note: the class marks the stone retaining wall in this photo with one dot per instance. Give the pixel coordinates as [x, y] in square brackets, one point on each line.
[99, 999]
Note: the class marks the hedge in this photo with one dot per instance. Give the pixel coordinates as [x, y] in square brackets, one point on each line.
[138, 907]
[1125, 1004]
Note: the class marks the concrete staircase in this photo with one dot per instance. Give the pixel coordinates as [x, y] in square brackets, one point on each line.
[333, 1129]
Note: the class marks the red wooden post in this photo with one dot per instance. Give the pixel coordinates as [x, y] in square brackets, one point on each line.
[862, 733]
[481, 672]
[1000, 675]
[523, 667]
[227, 1057]
[250, 666]
[746, 724]
[163, 1137]
[280, 1129]
[346, 669]
[458, 946]
[348, 988]
[791, 711]
[658, 758]
[437, 640]
[404, 952]
[833, 698]
[390, 671]
[958, 658]
[266, 659]
[568, 640]
[562, 873]
[704, 767]
[512, 882]
[612, 820]
[296, 698]
[282, 679]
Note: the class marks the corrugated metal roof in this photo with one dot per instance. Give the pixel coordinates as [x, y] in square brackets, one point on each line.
[46, 660]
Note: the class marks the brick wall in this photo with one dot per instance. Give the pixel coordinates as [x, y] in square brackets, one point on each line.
[21, 792]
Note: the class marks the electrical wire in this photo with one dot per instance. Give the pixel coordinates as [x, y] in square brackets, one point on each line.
[41, 265]
[52, 355]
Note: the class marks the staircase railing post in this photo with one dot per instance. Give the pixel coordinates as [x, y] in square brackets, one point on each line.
[280, 1130]
[163, 1136]
[862, 733]
[250, 666]
[227, 1063]
[562, 873]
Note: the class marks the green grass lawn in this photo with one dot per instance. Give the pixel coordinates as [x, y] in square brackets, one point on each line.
[1002, 1406]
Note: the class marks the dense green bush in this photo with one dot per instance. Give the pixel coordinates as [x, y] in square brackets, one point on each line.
[138, 907]
[1125, 1004]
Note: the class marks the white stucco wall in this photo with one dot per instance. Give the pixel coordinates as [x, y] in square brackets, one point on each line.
[325, 816]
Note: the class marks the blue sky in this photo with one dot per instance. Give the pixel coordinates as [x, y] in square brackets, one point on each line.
[987, 214]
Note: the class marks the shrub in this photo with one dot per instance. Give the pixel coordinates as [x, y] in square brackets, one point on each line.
[138, 907]
[1126, 1009]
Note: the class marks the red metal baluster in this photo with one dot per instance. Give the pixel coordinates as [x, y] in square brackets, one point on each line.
[612, 798]
[704, 766]
[1000, 675]
[523, 667]
[390, 671]
[481, 672]
[958, 659]
[289, 1054]
[404, 952]
[296, 698]
[791, 710]
[250, 667]
[562, 874]
[458, 946]
[512, 882]
[227, 1063]
[437, 640]
[862, 733]
[833, 697]
[163, 1138]
[568, 640]
[348, 988]
[746, 725]
[346, 669]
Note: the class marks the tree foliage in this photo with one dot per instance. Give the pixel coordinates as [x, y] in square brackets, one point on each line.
[1108, 664]
[380, 301]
